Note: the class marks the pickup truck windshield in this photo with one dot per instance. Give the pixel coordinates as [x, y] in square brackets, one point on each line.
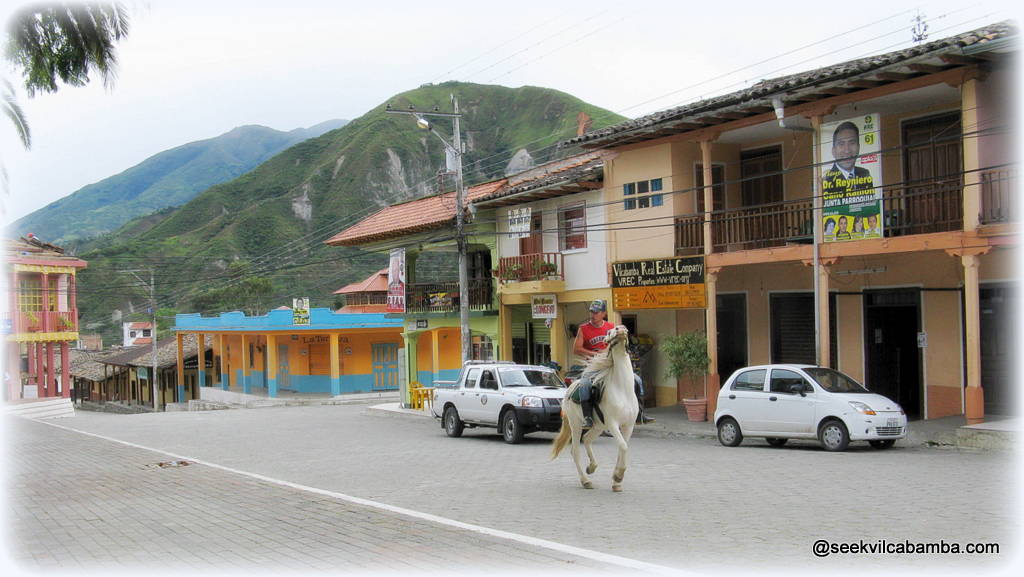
[518, 377]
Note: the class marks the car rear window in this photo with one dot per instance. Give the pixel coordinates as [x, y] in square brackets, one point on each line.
[749, 381]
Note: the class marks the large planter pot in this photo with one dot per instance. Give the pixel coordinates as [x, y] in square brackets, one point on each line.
[696, 409]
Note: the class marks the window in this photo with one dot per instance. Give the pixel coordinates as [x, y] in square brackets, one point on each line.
[482, 348]
[750, 381]
[145, 332]
[487, 381]
[132, 334]
[572, 227]
[782, 380]
[643, 194]
[472, 378]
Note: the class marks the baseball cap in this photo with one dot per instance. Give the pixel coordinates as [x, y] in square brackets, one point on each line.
[598, 306]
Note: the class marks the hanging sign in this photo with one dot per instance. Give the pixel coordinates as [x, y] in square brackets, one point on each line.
[665, 283]
[851, 181]
[396, 281]
[519, 222]
[544, 306]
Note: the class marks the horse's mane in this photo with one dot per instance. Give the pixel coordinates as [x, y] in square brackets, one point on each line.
[598, 366]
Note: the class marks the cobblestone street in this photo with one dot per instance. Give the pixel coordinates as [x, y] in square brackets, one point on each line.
[272, 485]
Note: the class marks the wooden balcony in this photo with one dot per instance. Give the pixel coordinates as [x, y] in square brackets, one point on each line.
[920, 209]
[531, 267]
[998, 189]
[443, 297]
[27, 322]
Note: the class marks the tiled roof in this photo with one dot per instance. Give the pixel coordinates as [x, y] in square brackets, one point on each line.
[694, 116]
[568, 175]
[377, 282]
[166, 353]
[413, 216]
[88, 365]
[29, 249]
[136, 326]
[143, 341]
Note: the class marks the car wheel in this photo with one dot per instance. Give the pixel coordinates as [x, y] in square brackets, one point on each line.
[511, 430]
[729, 433]
[883, 443]
[833, 435]
[776, 441]
[453, 425]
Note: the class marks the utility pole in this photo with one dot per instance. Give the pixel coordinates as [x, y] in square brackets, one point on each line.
[460, 199]
[152, 309]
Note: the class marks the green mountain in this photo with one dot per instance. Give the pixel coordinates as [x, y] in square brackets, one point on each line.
[170, 178]
[256, 241]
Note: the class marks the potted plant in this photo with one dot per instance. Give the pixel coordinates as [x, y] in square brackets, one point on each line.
[687, 355]
[548, 269]
[512, 272]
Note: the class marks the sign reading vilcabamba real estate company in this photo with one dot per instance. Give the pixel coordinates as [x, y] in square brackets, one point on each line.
[851, 179]
[662, 283]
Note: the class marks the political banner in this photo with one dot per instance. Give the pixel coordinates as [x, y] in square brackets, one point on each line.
[851, 179]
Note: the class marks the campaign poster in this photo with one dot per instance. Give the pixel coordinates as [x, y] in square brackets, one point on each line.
[851, 179]
[300, 311]
[519, 220]
[396, 281]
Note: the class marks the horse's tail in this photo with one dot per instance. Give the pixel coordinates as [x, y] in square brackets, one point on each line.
[563, 437]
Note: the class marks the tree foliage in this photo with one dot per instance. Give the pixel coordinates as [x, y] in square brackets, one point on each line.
[66, 42]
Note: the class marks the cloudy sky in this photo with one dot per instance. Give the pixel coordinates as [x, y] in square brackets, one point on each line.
[195, 69]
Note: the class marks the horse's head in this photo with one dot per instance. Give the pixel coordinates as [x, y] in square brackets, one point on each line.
[620, 334]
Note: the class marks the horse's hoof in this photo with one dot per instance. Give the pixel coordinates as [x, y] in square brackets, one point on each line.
[588, 485]
[591, 469]
[617, 478]
[617, 488]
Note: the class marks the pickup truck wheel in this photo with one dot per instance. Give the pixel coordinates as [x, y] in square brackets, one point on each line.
[511, 430]
[453, 425]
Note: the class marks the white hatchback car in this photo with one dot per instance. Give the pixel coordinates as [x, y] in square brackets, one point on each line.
[782, 402]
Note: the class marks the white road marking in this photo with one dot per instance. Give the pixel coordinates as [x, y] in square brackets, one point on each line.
[525, 539]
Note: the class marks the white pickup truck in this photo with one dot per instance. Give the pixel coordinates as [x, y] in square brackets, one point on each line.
[516, 399]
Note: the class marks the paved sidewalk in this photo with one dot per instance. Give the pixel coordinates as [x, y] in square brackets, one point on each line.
[671, 421]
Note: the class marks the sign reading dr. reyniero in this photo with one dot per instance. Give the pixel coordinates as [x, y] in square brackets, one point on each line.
[661, 283]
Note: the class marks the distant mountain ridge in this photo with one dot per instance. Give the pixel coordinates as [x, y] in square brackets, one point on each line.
[166, 179]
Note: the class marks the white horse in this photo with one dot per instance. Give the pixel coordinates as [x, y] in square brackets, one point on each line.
[616, 411]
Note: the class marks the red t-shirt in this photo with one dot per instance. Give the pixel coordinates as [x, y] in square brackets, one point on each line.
[593, 337]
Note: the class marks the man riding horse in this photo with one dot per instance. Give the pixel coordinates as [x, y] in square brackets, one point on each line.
[589, 342]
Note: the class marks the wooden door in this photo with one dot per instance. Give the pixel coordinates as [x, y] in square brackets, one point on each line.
[533, 244]
[932, 165]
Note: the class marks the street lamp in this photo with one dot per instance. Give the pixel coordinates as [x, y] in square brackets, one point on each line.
[455, 149]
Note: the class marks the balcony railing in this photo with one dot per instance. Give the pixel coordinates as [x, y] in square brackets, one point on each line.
[41, 321]
[997, 204]
[443, 297]
[918, 209]
[527, 267]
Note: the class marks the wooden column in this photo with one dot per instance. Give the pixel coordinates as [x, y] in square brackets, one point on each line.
[180, 366]
[246, 361]
[73, 301]
[47, 320]
[335, 365]
[709, 197]
[51, 370]
[971, 153]
[435, 356]
[65, 369]
[225, 378]
[271, 360]
[201, 365]
[974, 396]
[40, 371]
[505, 333]
[30, 353]
[711, 323]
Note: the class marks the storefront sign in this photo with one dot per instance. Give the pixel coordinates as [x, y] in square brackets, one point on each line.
[544, 306]
[315, 339]
[417, 325]
[851, 179]
[396, 281]
[667, 283]
[519, 222]
[300, 311]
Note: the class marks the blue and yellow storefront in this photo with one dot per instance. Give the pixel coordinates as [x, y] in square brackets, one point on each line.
[264, 355]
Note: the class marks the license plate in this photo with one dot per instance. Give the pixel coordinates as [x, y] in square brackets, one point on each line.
[892, 422]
